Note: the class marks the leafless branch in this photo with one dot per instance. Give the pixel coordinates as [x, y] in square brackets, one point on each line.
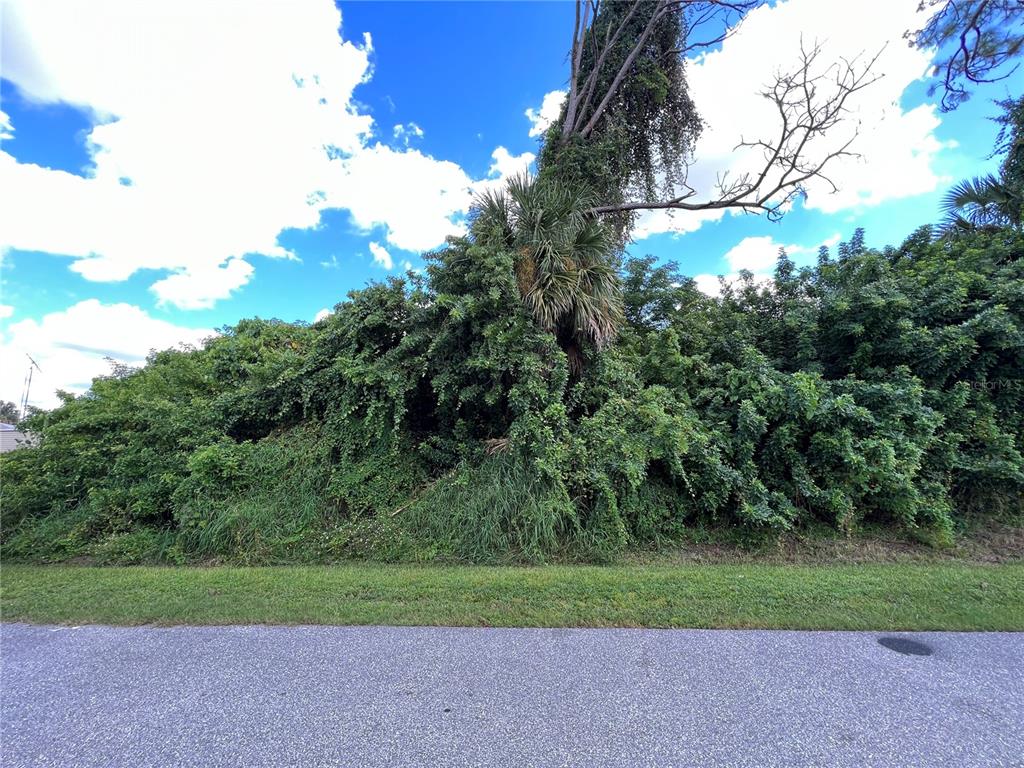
[724, 15]
[811, 103]
[579, 33]
[978, 41]
[663, 7]
[579, 99]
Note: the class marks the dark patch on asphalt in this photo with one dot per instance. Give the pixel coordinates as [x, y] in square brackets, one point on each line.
[906, 646]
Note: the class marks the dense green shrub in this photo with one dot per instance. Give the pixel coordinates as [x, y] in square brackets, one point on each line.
[436, 419]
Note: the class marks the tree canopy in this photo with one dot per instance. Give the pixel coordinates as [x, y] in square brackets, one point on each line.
[9, 412]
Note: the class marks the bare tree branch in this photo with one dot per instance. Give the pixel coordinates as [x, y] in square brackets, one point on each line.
[979, 41]
[577, 107]
[811, 103]
[662, 8]
[578, 35]
[726, 15]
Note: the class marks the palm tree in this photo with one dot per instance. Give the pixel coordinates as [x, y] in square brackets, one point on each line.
[563, 261]
[983, 201]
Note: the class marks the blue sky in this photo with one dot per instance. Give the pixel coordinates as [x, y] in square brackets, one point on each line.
[167, 171]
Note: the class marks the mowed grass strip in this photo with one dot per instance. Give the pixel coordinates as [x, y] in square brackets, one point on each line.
[875, 597]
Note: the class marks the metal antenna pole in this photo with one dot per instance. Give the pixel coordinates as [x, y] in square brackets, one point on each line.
[24, 389]
[28, 384]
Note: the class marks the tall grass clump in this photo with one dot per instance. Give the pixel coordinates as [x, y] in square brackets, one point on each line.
[499, 508]
[256, 503]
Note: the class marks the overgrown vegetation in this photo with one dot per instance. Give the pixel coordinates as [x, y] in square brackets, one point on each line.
[440, 419]
[533, 395]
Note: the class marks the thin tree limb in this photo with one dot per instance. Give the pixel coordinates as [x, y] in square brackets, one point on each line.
[571, 126]
[658, 14]
[808, 114]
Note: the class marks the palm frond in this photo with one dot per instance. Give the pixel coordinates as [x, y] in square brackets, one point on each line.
[563, 263]
[981, 201]
[491, 218]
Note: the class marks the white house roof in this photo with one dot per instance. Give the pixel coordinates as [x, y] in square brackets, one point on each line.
[11, 438]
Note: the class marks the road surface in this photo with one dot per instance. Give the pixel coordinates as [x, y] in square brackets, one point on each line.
[386, 696]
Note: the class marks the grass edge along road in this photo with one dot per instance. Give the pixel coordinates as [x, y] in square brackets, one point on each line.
[869, 597]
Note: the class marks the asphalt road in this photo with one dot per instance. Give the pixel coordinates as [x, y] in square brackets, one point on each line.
[383, 696]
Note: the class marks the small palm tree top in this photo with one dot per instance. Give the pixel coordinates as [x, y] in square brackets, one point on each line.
[982, 201]
[563, 255]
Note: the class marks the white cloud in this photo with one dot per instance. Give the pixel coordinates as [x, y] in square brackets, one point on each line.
[223, 146]
[433, 198]
[897, 148]
[829, 242]
[202, 287]
[753, 253]
[758, 255]
[381, 256]
[503, 166]
[6, 310]
[71, 346]
[406, 133]
[406, 265]
[254, 131]
[711, 285]
[6, 129]
[540, 119]
[414, 197]
[323, 314]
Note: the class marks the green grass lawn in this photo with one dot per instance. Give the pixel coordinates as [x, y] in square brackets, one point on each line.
[879, 597]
